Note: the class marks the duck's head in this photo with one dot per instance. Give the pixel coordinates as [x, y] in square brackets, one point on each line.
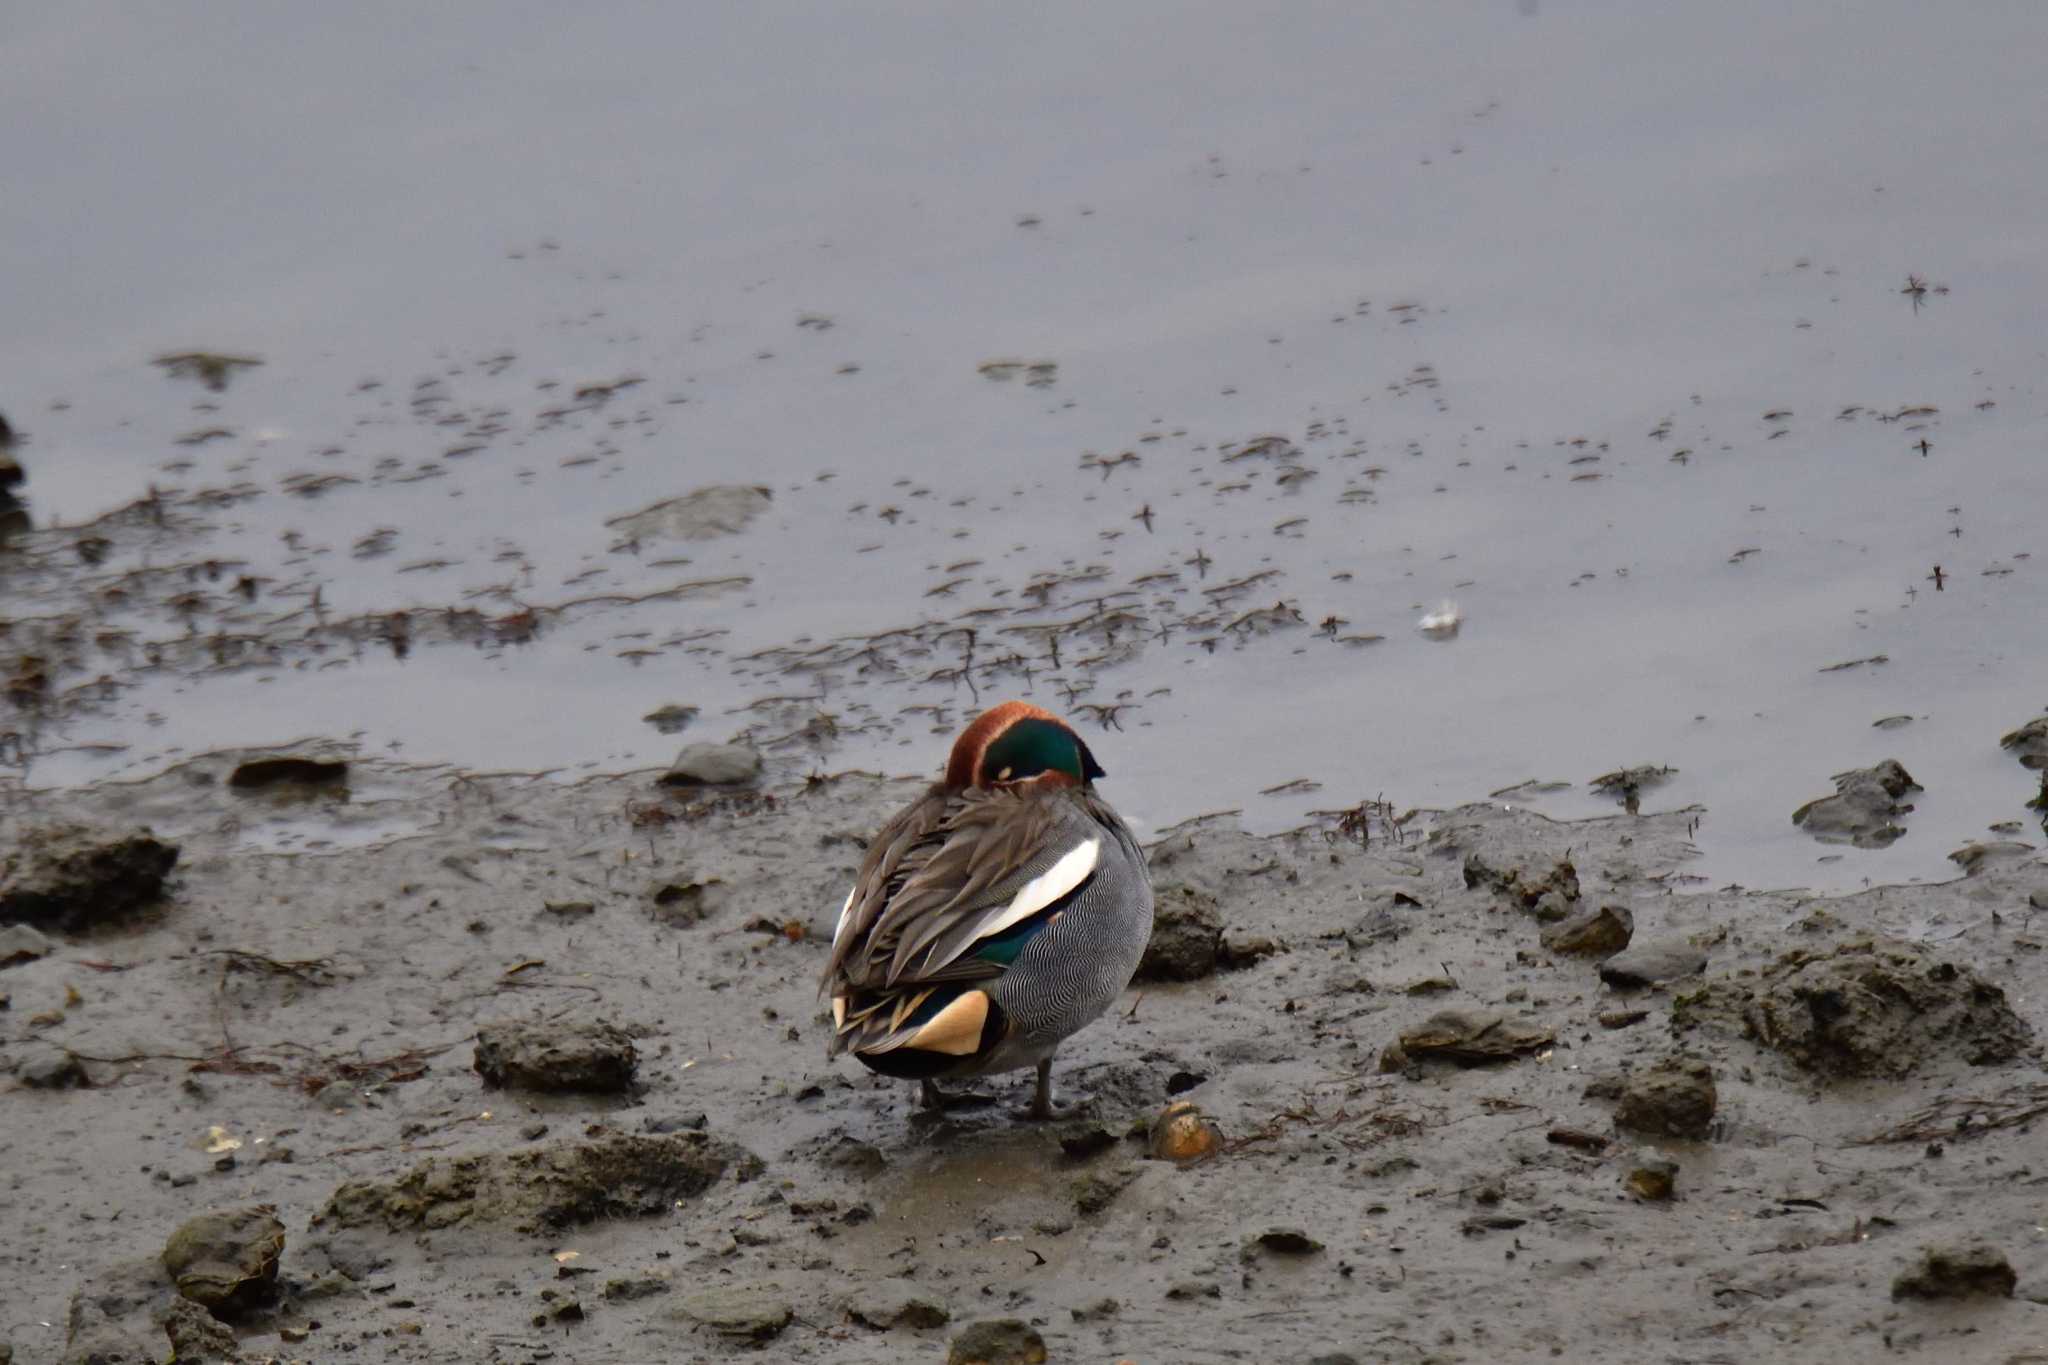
[1019, 742]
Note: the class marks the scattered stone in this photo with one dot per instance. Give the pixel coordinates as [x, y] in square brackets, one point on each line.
[1184, 1290]
[72, 878]
[1652, 964]
[114, 1312]
[713, 765]
[679, 905]
[1974, 1270]
[1098, 1189]
[891, 1304]
[997, 1341]
[45, 1066]
[1283, 1241]
[1092, 1140]
[1627, 785]
[1181, 1134]
[260, 773]
[1674, 1098]
[1430, 985]
[1869, 1008]
[591, 1057]
[2029, 743]
[1105, 1307]
[211, 368]
[1187, 934]
[19, 943]
[856, 1158]
[543, 1189]
[627, 1288]
[1577, 1139]
[1474, 1038]
[703, 514]
[1653, 1178]
[1598, 933]
[226, 1261]
[671, 719]
[1975, 858]
[1239, 951]
[1622, 1018]
[1548, 895]
[569, 909]
[197, 1335]
[739, 1312]
[1862, 809]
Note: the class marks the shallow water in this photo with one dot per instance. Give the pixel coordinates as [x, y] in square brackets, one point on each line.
[1436, 248]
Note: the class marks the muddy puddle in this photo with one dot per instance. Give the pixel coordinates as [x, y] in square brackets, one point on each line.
[546, 396]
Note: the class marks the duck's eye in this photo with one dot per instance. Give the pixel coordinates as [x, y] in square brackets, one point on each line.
[1004, 775]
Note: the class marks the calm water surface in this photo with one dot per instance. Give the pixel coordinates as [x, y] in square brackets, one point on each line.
[1587, 316]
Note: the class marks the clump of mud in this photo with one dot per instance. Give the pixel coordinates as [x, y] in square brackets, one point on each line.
[1549, 894]
[75, 877]
[1871, 1008]
[617, 1175]
[595, 1057]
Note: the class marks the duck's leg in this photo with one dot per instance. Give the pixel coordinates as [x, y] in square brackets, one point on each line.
[1041, 1098]
[929, 1096]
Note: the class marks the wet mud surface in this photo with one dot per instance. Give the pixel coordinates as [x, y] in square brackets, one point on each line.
[1415, 406]
[503, 1106]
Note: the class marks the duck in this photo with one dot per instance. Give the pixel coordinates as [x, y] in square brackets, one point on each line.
[993, 917]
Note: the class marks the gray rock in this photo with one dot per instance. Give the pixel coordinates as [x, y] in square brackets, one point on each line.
[1653, 1178]
[2029, 743]
[671, 719]
[1282, 1241]
[1652, 963]
[19, 943]
[1598, 933]
[197, 1335]
[590, 1056]
[542, 1189]
[72, 877]
[113, 1312]
[289, 771]
[898, 1303]
[1871, 1007]
[997, 1341]
[740, 1312]
[716, 765]
[44, 1066]
[682, 904]
[1976, 858]
[702, 514]
[1674, 1098]
[226, 1261]
[1473, 1038]
[1627, 785]
[1187, 931]
[1548, 894]
[1969, 1271]
[1862, 810]
[626, 1288]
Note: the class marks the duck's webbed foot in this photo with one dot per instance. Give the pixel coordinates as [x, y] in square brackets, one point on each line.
[935, 1100]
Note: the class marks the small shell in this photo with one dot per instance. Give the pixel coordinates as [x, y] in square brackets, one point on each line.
[1181, 1134]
